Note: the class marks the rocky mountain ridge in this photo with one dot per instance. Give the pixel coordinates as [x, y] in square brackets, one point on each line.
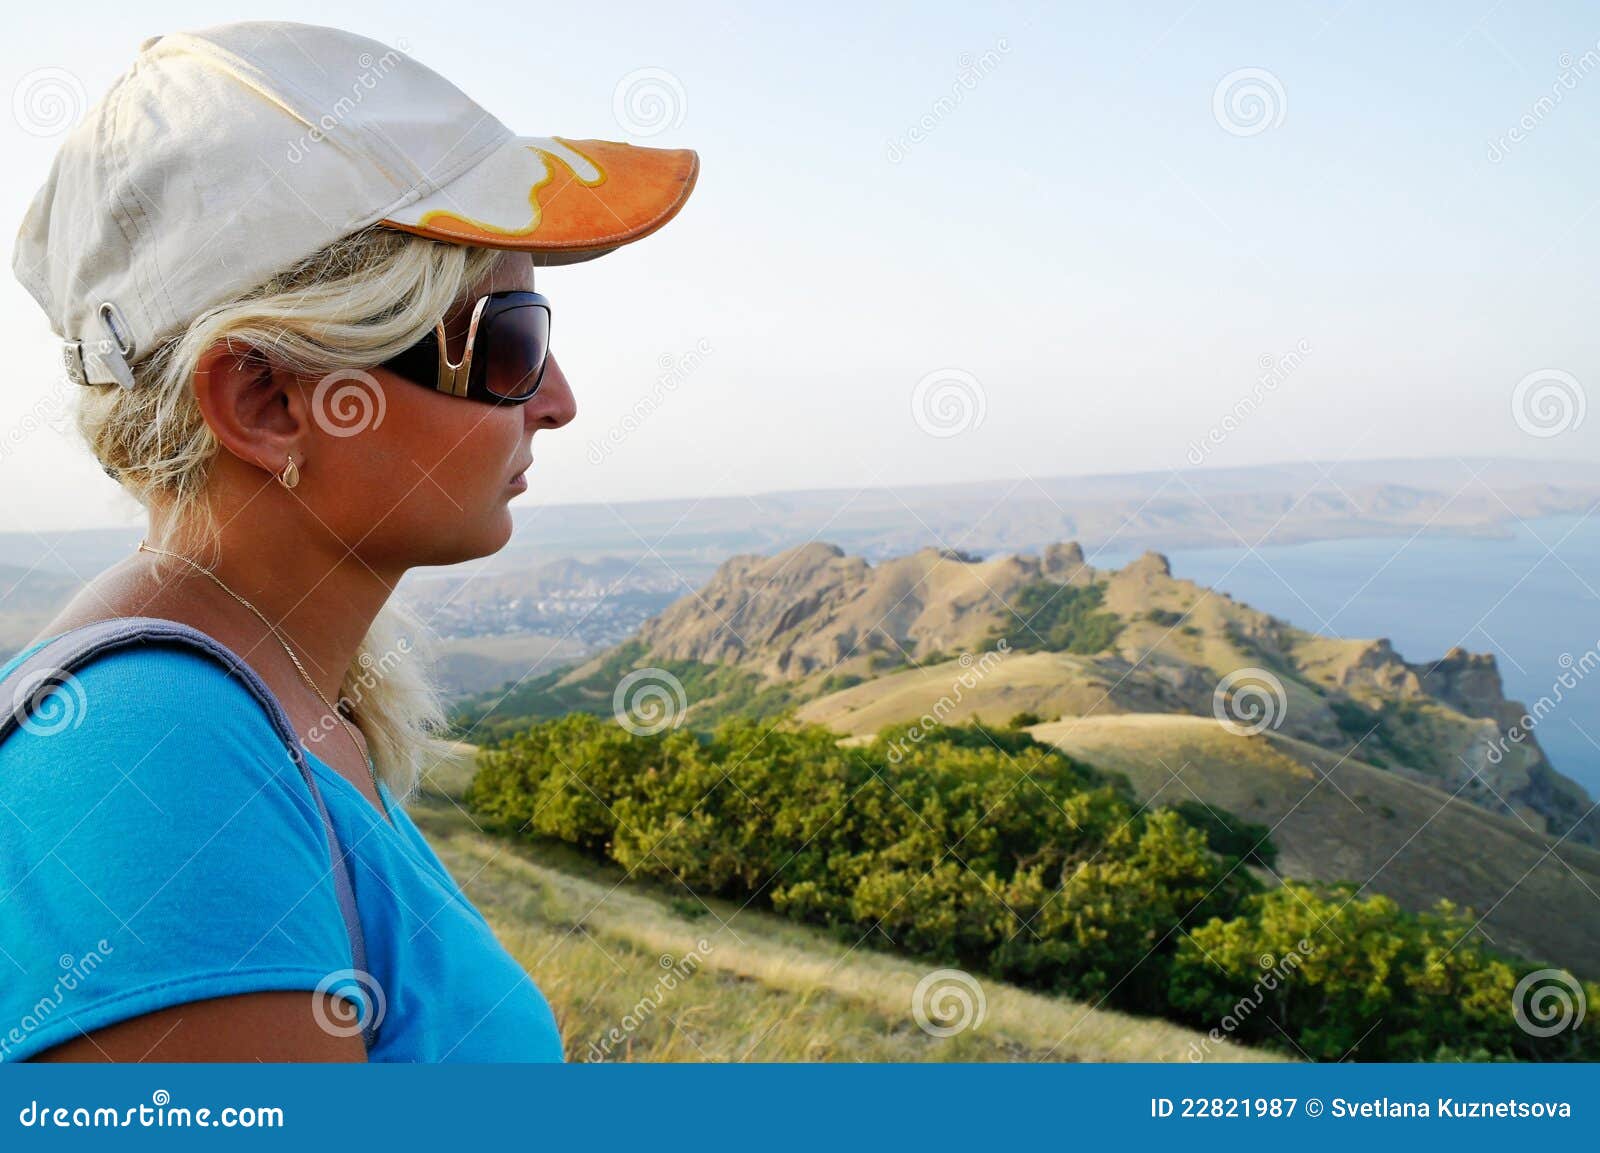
[814, 615]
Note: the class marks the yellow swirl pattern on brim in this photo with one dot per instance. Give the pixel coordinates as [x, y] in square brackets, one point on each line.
[566, 200]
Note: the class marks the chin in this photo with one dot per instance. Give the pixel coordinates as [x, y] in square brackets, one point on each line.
[485, 537]
[493, 535]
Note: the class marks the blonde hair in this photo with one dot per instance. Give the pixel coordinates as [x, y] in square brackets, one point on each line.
[351, 305]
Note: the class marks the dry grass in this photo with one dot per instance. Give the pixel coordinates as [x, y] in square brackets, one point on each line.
[1049, 684]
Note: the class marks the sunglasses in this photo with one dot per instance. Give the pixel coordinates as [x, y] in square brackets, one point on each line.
[508, 342]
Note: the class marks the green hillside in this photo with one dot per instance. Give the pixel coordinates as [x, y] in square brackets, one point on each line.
[983, 849]
[764, 989]
[1361, 824]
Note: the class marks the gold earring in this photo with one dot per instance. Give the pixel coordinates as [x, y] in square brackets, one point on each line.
[290, 476]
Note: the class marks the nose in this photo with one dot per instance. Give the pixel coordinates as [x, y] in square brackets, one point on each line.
[553, 405]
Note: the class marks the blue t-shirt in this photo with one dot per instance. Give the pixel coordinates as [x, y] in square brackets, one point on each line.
[158, 846]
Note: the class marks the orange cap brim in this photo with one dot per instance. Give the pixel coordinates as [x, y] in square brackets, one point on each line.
[564, 200]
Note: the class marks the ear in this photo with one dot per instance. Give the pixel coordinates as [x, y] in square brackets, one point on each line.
[255, 409]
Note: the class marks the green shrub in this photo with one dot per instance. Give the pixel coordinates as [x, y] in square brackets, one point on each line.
[1354, 719]
[1347, 977]
[964, 842]
[1059, 618]
[1230, 835]
[986, 848]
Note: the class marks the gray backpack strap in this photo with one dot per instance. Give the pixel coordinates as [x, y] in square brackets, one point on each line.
[28, 686]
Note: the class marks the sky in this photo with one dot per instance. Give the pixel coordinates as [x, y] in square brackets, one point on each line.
[947, 242]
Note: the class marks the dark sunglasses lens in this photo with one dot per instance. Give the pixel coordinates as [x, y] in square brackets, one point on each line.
[514, 344]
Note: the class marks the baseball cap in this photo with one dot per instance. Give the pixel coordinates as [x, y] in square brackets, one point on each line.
[225, 156]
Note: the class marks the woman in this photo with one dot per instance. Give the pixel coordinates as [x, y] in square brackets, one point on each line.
[253, 247]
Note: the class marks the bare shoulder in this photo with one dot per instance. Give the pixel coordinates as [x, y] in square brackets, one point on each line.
[130, 588]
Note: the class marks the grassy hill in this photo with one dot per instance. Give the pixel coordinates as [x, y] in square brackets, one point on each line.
[1362, 824]
[1047, 684]
[763, 989]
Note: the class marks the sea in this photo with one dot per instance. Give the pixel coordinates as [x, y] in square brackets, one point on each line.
[1532, 598]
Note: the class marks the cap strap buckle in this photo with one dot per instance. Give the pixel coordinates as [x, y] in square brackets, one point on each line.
[103, 361]
[72, 361]
[100, 362]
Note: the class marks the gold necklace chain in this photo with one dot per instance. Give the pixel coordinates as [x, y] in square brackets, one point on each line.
[300, 668]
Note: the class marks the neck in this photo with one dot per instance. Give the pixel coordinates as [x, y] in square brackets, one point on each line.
[318, 597]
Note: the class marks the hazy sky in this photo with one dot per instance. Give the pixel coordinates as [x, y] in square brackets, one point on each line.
[964, 241]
